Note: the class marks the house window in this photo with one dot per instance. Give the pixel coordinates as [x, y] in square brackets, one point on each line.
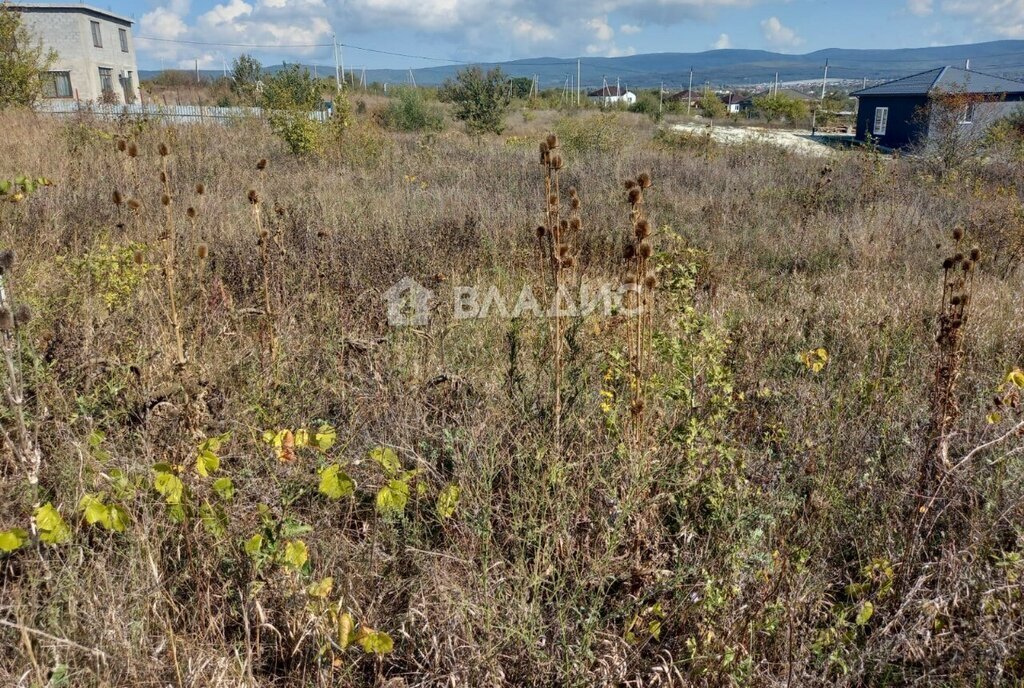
[97, 38]
[57, 85]
[124, 40]
[881, 121]
[968, 116]
[106, 80]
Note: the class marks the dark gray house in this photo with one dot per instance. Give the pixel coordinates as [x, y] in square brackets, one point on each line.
[895, 114]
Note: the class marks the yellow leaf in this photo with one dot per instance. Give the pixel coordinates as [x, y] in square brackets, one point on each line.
[296, 554]
[345, 624]
[335, 483]
[53, 530]
[322, 589]
[325, 437]
[12, 539]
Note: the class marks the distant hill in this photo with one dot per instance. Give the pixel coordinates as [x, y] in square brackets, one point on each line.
[726, 67]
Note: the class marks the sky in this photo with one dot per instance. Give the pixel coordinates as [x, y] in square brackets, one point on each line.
[496, 30]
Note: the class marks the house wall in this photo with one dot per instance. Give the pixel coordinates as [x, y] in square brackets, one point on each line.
[985, 115]
[68, 32]
[905, 124]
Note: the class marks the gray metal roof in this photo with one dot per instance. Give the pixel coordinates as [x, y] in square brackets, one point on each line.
[951, 79]
[67, 7]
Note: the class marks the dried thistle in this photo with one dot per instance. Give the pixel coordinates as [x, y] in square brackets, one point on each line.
[163, 150]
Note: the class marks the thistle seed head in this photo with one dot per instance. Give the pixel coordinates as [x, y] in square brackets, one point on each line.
[568, 262]
[634, 195]
[650, 281]
[165, 200]
[117, 198]
[133, 204]
[575, 224]
[629, 184]
[541, 231]
[958, 234]
[575, 202]
[563, 225]
[644, 180]
[163, 177]
[947, 264]
[967, 266]
[629, 252]
[262, 164]
[202, 251]
[643, 229]
[121, 146]
[254, 197]
[163, 150]
[133, 150]
[556, 162]
[138, 257]
[553, 199]
[645, 250]
[22, 315]
[6, 319]
[552, 141]
[191, 212]
[7, 258]
[975, 254]
[200, 189]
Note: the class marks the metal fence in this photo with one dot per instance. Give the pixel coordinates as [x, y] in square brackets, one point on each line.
[177, 114]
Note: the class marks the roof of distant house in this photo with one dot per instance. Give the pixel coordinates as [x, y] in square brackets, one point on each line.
[686, 95]
[67, 7]
[950, 79]
[788, 92]
[608, 92]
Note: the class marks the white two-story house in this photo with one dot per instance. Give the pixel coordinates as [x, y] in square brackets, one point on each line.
[95, 51]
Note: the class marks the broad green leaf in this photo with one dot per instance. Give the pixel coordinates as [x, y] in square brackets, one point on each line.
[93, 509]
[322, 589]
[213, 520]
[325, 437]
[5, 187]
[866, 610]
[118, 518]
[53, 530]
[59, 677]
[253, 545]
[335, 483]
[170, 486]
[387, 458]
[448, 500]
[392, 498]
[207, 462]
[12, 539]
[302, 437]
[296, 554]
[1016, 378]
[224, 487]
[375, 642]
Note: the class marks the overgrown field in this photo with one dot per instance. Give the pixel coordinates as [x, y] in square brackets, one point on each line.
[248, 477]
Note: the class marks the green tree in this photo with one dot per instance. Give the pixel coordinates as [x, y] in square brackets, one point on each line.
[23, 62]
[246, 72]
[778, 106]
[711, 106]
[290, 95]
[480, 99]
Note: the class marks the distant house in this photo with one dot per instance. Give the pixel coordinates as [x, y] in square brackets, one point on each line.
[894, 115]
[747, 103]
[612, 95]
[95, 51]
[685, 96]
[732, 102]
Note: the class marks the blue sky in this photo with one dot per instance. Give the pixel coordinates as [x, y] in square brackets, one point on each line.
[489, 30]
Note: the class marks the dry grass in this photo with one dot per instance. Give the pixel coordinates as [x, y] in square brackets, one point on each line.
[744, 549]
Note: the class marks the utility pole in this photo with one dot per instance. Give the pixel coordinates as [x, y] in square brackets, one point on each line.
[689, 93]
[776, 83]
[197, 70]
[577, 82]
[824, 80]
[968, 66]
[362, 79]
[661, 98]
[337, 64]
[412, 79]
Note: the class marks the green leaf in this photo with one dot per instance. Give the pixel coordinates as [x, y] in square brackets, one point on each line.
[225, 488]
[59, 677]
[12, 539]
[207, 462]
[213, 520]
[296, 554]
[5, 187]
[322, 589]
[325, 437]
[53, 530]
[253, 545]
[448, 500]
[335, 483]
[110, 516]
[866, 610]
[387, 458]
[375, 642]
[170, 486]
[392, 498]
[1016, 378]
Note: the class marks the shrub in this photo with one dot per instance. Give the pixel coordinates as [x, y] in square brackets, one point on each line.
[480, 99]
[410, 111]
[23, 66]
[602, 133]
[647, 103]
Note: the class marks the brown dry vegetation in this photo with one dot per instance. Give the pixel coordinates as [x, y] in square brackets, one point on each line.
[765, 532]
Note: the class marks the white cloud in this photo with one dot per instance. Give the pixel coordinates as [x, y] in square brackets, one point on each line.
[778, 35]
[484, 28]
[1003, 18]
[723, 42]
[921, 8]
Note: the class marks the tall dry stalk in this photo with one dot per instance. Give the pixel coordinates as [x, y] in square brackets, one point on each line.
[170, 258]
[263, 241]
[640, 282]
